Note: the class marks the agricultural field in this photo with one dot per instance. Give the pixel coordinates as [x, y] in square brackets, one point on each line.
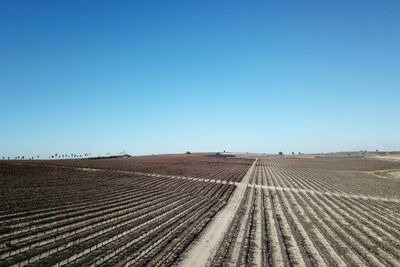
[52, 214]
[307, 216]
[196, 210]
[194, 165]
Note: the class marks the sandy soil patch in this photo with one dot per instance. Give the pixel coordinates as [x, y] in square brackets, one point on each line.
[389, 174]
[395, 157]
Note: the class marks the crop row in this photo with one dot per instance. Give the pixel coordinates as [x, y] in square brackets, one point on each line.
[275, 226]
[200, 166]
[140, 219]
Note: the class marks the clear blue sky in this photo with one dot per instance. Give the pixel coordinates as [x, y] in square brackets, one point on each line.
[169, 76]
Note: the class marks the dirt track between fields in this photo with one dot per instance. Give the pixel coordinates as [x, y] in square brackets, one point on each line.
[205, 247]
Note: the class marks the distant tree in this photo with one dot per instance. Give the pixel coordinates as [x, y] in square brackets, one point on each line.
[188, 152]
[38, 156]
[299, 153]
[52, 156]
[293, 153]
[280, 153]
[8, 158]
[3, 157]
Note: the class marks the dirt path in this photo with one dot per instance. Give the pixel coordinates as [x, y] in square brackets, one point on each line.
[202, 250]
